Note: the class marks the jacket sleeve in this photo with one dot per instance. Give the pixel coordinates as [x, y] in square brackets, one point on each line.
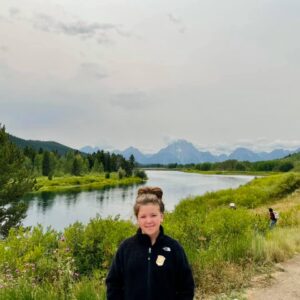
[114, 280]
[185, 280]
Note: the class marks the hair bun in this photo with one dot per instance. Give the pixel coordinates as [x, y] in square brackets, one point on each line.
[150, 190]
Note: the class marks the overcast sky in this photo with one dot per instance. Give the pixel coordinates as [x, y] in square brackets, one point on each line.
[119, 73]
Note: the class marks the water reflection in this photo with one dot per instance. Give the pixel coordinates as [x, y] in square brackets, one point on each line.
[61, 209]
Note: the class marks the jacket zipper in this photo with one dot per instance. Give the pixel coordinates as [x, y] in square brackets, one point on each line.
[148, 275]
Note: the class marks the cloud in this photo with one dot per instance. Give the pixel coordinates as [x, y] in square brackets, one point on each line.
[129, 101]
[3, 48]
[179, 24]
[79, 28]
[13, 11]
[92, 70]
[256, 145]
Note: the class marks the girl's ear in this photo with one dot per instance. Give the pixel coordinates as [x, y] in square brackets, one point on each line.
[162, 217]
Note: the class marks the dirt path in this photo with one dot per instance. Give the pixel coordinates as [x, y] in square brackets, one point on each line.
[285, 284]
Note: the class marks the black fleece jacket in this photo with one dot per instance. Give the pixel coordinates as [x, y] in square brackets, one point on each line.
[141, 271]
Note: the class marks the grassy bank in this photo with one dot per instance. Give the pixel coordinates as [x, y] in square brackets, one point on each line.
[225, 247]
[86, 182]
[218, 172]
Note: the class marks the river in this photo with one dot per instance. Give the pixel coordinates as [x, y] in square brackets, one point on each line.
[59, 210]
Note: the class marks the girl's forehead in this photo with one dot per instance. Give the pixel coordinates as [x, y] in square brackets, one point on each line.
[148, 207]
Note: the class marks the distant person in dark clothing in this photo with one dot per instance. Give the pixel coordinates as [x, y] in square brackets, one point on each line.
[273, 219]
[150, 265]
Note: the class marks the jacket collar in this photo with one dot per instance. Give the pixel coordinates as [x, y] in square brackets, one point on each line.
[145, 239]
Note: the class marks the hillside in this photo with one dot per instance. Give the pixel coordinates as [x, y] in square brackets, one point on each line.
[295, 159]
[45, 145]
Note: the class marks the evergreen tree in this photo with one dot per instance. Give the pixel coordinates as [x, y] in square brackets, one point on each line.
[77, 166]
[68, 166]
[97, 167]
[46, 168]
[15, 181]
[37, 164]
[132, 161]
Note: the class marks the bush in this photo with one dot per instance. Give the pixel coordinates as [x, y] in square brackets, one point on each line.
[121, 173]
[140, 173]
[94, 245]
[286, 166]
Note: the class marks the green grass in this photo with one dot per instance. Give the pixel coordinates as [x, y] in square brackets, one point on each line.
[85, 289]
[225, 247]
[86, 182]
[216, 172]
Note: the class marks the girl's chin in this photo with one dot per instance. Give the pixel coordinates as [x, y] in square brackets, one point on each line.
[151, 232]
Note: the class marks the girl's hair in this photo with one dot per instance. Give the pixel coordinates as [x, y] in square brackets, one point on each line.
[146, 195]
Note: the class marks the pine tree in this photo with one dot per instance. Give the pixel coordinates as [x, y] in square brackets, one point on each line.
[97, 167]
[15, 181]
[77, 165]
[46, 169]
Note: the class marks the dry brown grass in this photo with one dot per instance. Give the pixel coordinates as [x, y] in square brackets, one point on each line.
[284, 205]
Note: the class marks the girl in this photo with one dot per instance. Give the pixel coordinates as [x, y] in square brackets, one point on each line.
[150, 265]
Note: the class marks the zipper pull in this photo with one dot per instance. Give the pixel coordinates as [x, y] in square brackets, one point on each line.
[149, 253]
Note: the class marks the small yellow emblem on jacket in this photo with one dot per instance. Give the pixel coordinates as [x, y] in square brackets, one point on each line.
[160, 260]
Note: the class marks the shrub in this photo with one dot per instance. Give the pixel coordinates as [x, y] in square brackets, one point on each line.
[94, 245]
[121, 173]
[140, 173]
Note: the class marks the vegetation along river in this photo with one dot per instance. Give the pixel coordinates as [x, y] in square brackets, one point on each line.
[59, 210]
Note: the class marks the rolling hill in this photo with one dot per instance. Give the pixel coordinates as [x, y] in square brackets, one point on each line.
[37, 145]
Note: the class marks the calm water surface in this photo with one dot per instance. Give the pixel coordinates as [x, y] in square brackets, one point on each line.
[63, 209]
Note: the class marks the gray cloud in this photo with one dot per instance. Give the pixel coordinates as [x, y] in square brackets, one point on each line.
[92, 70]
[13, 11]
[3, 48]
[256, 145]
[104, 39]
[79, 28]
[179, 24]
[174, 19]
[129, 101]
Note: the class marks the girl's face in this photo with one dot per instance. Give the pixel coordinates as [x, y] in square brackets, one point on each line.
[149, 219]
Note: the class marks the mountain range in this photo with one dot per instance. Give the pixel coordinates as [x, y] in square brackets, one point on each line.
[184, 152]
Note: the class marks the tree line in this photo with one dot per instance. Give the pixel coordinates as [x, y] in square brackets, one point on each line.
[240, 166]
[50, 163]
[19, 168]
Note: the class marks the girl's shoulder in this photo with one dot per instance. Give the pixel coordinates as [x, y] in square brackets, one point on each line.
[171, 242]
[128, 242]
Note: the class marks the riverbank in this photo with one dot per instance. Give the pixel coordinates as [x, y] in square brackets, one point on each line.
[215, 172]
[86, 182]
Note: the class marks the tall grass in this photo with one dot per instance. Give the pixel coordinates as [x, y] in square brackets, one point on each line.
[86, 289]
[224, 246]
